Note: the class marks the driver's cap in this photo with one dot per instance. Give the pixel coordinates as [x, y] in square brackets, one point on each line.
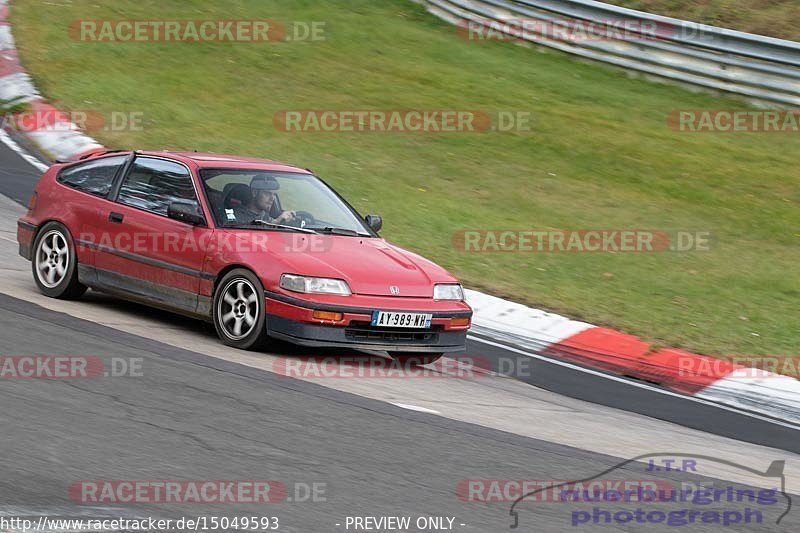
[264, 182]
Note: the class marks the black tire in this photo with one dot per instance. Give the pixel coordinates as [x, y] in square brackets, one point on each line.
[226, 315]
[56, 271]
[408, 359]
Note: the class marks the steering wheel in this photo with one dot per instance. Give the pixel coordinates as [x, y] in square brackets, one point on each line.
[303, 219]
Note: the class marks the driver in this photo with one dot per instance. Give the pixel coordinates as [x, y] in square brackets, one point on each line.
[263, 190]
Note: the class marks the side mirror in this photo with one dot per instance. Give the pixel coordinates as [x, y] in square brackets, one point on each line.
[188, 212]
[375, 222]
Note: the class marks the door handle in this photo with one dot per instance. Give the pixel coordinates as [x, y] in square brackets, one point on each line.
[116, 218]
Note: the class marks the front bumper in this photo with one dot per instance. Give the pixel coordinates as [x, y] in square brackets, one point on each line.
[357, 338]
[291, 319]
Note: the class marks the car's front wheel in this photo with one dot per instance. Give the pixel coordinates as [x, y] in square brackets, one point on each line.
[415, 359]
[55, 264]
[239, 313]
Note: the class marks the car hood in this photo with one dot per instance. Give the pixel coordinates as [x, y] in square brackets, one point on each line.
[371, 266]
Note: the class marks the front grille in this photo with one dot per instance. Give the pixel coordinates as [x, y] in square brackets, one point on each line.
[390, 336]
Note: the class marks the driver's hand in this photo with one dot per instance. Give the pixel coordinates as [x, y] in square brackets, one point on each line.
[286, 216]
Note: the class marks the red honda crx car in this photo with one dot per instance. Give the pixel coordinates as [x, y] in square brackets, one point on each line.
[262, 249]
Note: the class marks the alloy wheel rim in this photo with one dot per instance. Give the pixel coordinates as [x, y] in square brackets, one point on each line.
[52, 259]
[238, 309]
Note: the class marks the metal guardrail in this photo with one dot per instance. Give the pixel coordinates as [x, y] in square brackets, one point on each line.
[753, 66]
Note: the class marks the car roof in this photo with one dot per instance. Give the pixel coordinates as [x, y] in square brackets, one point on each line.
[211, 160]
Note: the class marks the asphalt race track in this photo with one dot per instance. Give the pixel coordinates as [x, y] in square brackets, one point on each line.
[372, 446]
[18, 177]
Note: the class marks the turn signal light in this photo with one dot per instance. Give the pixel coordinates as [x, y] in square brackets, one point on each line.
[327, 315]
[459, 322]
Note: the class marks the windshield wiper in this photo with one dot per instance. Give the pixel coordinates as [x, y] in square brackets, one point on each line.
[341, 231]
[259, 222]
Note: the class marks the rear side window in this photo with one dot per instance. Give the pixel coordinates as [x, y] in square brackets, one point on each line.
[152, 184]
[94, 177]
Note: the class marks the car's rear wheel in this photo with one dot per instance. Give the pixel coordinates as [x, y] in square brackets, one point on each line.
[239, 313]
[55, 264]
[415, 359]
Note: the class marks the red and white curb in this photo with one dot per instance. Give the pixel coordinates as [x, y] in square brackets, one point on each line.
[611, 351]
[546, 333]
[56, 138]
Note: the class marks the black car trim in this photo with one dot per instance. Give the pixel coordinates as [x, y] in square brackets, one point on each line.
[146, 260]
[358, 310]
[27, 225]
[146, 292]
[26, 249]
[313, 335]
[118, 179]
[25, 252]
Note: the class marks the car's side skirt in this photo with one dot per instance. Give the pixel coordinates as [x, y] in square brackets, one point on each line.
[146, 292]
[145, 260]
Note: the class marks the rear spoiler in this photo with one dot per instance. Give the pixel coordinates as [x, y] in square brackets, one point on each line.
[90, 154]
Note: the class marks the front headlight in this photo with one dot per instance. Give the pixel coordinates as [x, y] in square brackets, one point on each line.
[305, 284]
[448, 291]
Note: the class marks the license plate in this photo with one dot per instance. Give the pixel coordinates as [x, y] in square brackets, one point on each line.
[394, 319]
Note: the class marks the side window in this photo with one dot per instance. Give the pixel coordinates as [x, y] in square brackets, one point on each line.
[94, 177]
[152, 184]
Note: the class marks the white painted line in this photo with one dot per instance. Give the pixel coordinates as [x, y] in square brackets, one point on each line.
[634, 383]
[8, 141]
[416, 408]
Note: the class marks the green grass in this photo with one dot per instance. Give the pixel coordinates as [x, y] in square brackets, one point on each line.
[776, 18]
[599, 156]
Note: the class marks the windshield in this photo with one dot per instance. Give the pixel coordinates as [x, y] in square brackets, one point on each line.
[289, 201]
